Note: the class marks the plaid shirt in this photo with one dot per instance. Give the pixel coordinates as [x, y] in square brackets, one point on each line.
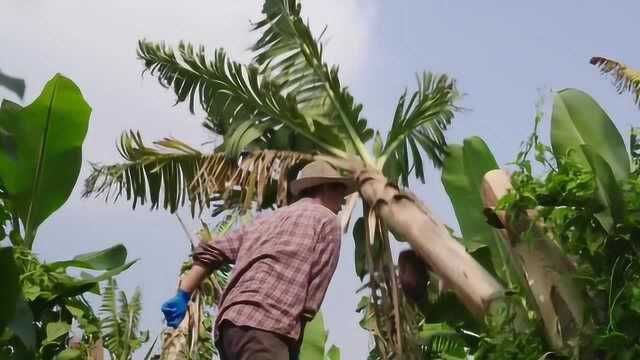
[283, 264]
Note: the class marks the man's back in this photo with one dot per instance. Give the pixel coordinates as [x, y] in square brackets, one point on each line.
[283, 264]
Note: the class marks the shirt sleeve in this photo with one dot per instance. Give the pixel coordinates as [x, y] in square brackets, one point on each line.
[214, 253]
[325, 261]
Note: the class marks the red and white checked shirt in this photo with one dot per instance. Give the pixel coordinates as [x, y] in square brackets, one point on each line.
[284, 262]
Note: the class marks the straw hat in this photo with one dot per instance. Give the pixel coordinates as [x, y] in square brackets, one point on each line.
[318, 173]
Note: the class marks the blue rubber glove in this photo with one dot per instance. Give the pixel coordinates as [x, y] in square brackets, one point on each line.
[175, 308]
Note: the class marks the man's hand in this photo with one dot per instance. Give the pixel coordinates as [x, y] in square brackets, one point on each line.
[175, 308]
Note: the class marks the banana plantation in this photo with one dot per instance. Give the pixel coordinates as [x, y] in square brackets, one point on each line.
[543, 261]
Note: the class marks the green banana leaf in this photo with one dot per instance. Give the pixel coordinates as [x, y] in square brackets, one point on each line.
[48, 135]
[69, 287]
[22, 324]
[314, 341]
[69, 354]
[56, 330]
[577, 119]
[315, 338]
[609, 193]
[462, 175]
[106, 259]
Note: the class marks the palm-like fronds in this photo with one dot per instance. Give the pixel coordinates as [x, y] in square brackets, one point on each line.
[166, 172]
[120, 326]
[421, 123]
[289, 53]
[112, 331]
[624, 78]
[242, 104]
[444, 347]
[173, 173]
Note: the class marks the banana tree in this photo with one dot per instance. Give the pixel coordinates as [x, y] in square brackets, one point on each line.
[40, 158]
[284, 109]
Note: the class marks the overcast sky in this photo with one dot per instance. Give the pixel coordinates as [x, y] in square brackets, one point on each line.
[502, 53]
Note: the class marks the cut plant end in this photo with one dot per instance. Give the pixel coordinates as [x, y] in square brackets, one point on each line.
[547, 271]
[347, 211]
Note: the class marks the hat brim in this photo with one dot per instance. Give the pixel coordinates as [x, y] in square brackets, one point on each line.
[297, 186]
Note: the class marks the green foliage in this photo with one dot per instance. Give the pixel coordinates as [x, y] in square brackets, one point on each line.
[150, 174]
[503, 340]
[440, 340]
[40, 160]
[120, 322]
[288, 52]
[591, 210]
[287, 98]
[314, 342]
[462, 174]
[49, 133]
[290, 100]
[578, 119]
[420, 124]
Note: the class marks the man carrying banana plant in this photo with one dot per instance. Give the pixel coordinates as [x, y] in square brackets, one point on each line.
[283, 263]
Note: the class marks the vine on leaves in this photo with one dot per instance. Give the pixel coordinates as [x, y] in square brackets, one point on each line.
[606, 260]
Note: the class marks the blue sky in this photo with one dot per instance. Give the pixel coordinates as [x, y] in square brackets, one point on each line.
[503, 54]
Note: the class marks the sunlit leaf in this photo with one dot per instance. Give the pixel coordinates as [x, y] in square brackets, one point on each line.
[69, 354]
[315, 337]
[56, 330]
[48, 135]
[419, 124]
[577, 119]
[609, 193]
[97, 260]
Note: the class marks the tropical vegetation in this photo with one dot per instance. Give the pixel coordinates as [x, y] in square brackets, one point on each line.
[544, 265]
[284, 109]
[40, 159]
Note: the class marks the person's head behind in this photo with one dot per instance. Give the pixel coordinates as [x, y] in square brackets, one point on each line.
[331, 195]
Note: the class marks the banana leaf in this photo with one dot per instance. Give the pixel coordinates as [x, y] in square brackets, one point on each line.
[577, 120]
[48, 136]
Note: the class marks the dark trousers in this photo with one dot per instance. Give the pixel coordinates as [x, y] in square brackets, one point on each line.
[247, 343]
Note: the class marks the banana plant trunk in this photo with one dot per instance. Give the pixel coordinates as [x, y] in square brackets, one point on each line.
[409, 220]
[548, 272]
